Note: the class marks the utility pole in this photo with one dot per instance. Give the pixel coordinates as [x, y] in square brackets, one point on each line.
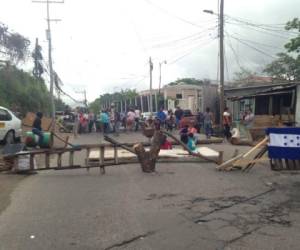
[48, 33]
[84, 96]
[221, 60]
[151, 69]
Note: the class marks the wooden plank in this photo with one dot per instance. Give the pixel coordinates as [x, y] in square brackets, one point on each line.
[59, 160]
[280, 164]
[87, 158]
[47, 160]
[71, 158]
[31, 162]
[116, 155]
[101, 155]
[286, 164]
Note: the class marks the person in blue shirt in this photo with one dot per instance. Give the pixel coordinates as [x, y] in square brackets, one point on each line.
[161, 116]
[104, 119]
[191, 142]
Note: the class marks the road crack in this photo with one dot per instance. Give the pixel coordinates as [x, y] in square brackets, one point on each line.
[236, 202]
[129, 241]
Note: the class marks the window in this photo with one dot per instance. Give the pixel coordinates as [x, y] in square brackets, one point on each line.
[178, 96]
[4, 115]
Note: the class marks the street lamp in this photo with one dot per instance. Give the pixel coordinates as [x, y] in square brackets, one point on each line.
[221, 35]
[159, 86]
[209, 12]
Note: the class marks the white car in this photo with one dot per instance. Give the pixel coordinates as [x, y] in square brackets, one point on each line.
[10, 126]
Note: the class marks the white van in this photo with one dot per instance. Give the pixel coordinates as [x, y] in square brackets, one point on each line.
[10, 126]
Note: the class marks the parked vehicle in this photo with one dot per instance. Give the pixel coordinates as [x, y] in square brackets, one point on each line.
[10, 126]
[146, 115]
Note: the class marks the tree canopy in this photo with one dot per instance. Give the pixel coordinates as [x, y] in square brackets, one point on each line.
[123, 95]
[22, 92]
[287, 66]
[13, 45]
[294, 44]
[190, 81]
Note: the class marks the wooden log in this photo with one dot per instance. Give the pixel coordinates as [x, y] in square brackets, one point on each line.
[114, 142]
[148, 159]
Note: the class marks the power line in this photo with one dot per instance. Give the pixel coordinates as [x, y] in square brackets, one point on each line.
[233, 51]
[254, 48]
[172, 14]
[189, 52]
[192, 37]
[261, 30]
[250, 22]
[258, 43]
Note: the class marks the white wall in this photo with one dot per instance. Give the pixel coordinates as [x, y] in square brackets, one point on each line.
[297, 114]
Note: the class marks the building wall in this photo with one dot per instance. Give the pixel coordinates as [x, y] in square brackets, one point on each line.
[210, 98]
[297, 115]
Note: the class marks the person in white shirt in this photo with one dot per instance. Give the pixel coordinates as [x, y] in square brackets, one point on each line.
[137, 113]
[130, 119]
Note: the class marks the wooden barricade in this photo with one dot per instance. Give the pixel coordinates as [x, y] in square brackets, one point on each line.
[65, 158]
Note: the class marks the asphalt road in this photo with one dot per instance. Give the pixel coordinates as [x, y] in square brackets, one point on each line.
[182, 206]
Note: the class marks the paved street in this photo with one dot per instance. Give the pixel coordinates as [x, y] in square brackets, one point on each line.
[182, 206]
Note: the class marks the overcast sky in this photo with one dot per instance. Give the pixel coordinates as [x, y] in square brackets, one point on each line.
[104, 46]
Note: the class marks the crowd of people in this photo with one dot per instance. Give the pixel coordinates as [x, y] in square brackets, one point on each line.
[110, 121]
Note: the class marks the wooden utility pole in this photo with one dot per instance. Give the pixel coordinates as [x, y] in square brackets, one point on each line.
[221, 60]
[48, 32]
[151, 69]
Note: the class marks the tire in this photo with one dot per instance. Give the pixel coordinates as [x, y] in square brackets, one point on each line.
[10, 137]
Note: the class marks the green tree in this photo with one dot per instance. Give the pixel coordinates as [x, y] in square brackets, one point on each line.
[22, 92]
[294, 44]
[243, 75]
[190, 81]
[13, 45]
[287, 66]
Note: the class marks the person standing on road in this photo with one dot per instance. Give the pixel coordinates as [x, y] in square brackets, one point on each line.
[178, 115]
[91, 119]
[227, 123]
[37, 127]
[248, 121]
[104, 119]
[161, 116]
[207, 122]
[117, 122]
[137, 118]
[130, 119]
[170, 121]
[199, 118]
[76, 123]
